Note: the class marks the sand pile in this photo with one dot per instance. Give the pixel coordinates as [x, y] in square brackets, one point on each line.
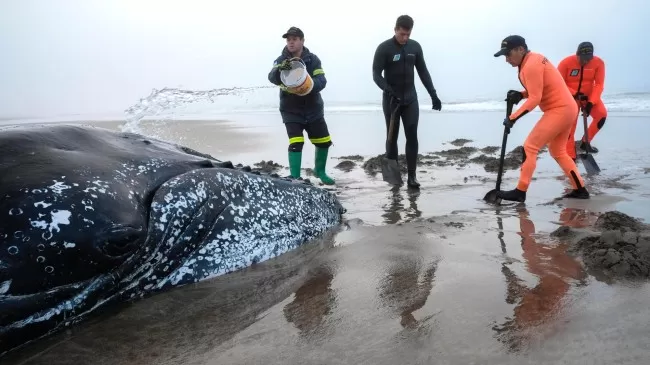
[618, 246]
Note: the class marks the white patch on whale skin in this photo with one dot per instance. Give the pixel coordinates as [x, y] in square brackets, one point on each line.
[59, 217]
[58, 187]
[99, 186]
[4, 287]
[15, 211]
[42, 204]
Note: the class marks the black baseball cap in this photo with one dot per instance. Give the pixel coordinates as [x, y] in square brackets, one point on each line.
[294, 31]
[509, 43]
[585, 51]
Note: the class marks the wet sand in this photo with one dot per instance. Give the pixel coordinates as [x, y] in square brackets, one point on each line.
[414, 277]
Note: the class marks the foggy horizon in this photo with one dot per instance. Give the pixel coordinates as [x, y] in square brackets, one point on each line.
[85, 57]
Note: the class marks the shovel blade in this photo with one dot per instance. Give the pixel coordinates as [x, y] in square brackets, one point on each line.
[492, 198]
[390, 171]
[590, 164]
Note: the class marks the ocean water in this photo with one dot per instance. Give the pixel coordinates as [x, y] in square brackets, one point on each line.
[173, 103]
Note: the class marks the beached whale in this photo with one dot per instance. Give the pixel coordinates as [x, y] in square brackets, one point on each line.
[91, 217]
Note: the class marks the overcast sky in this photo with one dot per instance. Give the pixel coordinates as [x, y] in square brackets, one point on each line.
[92, 56]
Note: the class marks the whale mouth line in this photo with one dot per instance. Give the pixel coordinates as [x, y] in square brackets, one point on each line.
[70, 303]
[117, 242]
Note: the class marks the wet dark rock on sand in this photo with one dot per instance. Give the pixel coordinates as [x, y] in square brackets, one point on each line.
[357, 158]
[455, 157]
[267, 167]
[346, 165]
[459, 142]
[490, 149]
[618, 246]
[482, 179]
[372, 166]
[459, 157]
[512, 160]
[616, 183]
[457, 153]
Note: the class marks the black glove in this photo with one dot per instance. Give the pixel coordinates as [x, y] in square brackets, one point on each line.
[436, 104]
[508, 122]
[580, 97]
[392, 94]
[514, 96]
[588, 108]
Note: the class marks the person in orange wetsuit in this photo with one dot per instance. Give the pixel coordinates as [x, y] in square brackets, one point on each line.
[543, 87]
[584, 74]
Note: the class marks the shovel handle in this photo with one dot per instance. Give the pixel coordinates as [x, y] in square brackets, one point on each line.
[506, 131]
[586, 136]
[393, 115]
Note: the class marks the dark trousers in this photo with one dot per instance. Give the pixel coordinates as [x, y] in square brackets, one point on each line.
[316, 131]
[410, 115]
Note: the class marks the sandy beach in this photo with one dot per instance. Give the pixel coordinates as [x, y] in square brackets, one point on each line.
[413, 277]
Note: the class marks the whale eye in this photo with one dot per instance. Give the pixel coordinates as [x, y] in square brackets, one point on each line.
[118, 242]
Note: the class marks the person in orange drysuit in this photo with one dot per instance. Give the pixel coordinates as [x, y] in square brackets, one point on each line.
[543, 87]
[584, 74]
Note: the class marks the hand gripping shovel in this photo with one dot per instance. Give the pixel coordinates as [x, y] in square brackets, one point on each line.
[588, 159]
[491, 196]
[390, 168]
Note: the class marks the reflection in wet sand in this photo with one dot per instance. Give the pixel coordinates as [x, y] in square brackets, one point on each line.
[577, 218]
[540, 307]
[188, 324]
[392, 211]
[501, 234]
[312, 302]
[403, 291]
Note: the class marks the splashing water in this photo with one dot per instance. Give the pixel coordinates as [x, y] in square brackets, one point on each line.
[170, 98]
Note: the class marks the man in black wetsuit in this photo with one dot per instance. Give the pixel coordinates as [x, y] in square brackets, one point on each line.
[396, 58]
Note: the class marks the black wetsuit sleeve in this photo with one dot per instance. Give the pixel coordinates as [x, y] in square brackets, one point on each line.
[274, 75]
[423, 72]
[379, 65]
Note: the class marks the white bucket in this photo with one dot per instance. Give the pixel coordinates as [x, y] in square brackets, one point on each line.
[297, 80]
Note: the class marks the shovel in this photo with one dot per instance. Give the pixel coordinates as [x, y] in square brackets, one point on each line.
[390, 168]
[588, 159]
[491, 196]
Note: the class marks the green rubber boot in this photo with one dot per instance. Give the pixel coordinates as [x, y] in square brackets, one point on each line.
[319, 166]
[295, 160]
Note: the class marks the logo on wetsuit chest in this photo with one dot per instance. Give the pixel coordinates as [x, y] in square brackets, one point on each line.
[396, 57]
[575, 72]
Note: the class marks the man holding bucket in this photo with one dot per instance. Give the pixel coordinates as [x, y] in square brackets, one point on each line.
[301, 78]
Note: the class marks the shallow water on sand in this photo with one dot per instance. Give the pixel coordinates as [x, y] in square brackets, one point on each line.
[414, 277]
